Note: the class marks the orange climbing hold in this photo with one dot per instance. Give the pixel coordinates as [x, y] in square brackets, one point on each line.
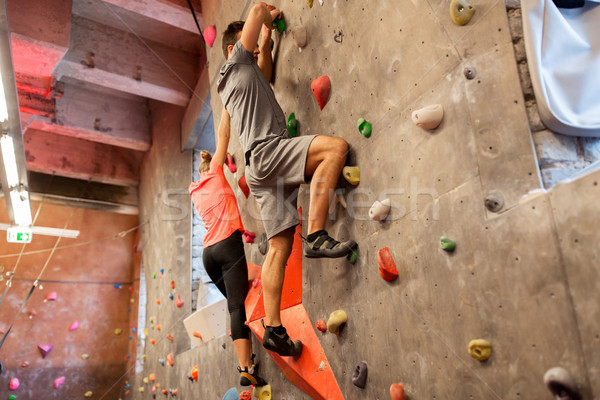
[178, 302]
[170, 337]
[321, 88]
[152, 377]
[172, 284]
[246, 395]
[152, 341]
[158, 327]
[387, 267]
[165, 392]
[170, 359]
[197, 334]
[195, 372]
[244, 186]
[158, 301]
[397, 391]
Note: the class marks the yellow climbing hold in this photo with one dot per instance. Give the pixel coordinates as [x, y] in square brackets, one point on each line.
[145, 379]
[88, 394]
[461, 11]
[118, 331]
[310, 3]
[85, 356]
[263, 392]
[141, 389]
[480, 349]
[336, 319]
[352, 175]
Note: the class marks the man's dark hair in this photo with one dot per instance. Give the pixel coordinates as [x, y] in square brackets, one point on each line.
[230, 36]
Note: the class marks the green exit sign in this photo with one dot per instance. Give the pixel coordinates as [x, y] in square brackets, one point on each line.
[17, 234]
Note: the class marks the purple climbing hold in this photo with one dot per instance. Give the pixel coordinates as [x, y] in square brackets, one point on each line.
[45, 349]
[359, 376]
[58, 382]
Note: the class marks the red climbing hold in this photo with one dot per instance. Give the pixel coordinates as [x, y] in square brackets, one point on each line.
[51, 296]
[230, 162]
[322, 325]
[387, 267]
[248, 236]
[172, 284]
[210, 34]
[321, 88]
[178, 302]
[397, 391]
[14, 384]
[244, 186]
[246, 395]
[45, 349]
[58, 382]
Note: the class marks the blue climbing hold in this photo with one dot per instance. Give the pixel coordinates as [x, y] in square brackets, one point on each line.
[162, 271]
[231, 394]
[117, 286]
[133, 330]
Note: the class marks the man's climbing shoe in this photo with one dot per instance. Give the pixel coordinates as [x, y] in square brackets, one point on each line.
[281, 344]
[326, 246]
[249, 376]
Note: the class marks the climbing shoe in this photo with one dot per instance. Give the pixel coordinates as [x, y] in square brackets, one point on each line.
[281, 343]
[326, 246]
[249, 376]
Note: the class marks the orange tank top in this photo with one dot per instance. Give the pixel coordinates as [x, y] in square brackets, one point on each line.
[216, 203]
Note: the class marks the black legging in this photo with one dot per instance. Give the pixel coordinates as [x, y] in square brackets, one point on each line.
[225, 263]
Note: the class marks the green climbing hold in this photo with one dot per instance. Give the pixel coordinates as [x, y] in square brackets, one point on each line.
[461, 11]
[12, 397]
[292, 125]
[364, 127]
[447, 244]
[352, 256]
[154, 276]
[279, 24]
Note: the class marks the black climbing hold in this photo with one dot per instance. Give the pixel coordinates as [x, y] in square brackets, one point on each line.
[470, 72]
[494, 201]
[263, 244]
[339, 36]
[359, 376]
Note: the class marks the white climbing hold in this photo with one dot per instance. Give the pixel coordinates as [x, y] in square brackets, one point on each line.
[429, 117]
[299, 36]
[380, 210]
[322, 366]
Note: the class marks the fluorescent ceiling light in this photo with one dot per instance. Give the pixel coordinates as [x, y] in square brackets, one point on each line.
[46, 231]
[10, 162]
[20, 206]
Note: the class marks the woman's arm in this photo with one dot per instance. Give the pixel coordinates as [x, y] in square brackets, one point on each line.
[222, 138]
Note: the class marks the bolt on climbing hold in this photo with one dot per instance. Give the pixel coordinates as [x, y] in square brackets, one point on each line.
[85, 356]
[429, 117]
[173, 392]
[461, 11]
[12, 397]
[154, 275]
[152, 341]
[170, 337]
[141, 389]
[321, 88]
[262, 392]
[248, 236]
[210, 34]
[52, 296]
[292, 125]
[230, 162]
[231, 394]
[470, 73]
[279, 23]
[397, 391]
[359, 376]
[336, 319]
[364, 127]
[310, 3]
[194, 374]
[172, 284]
[380, 210]
[387, 266]
[118, 331]
[161, 361]
[89, 393]
[178, 302]
[352, 257]
[244, 186]
[158, 301]
[321, 325]
[197, 334]
[351, 174]
[494, 201]
[14, 384]
[152, 377]
[263, 243]
[299, 36]
[480, 349]
[255, 282]
[58, 382]
[44, 349]
[338, 36]
[24, 364]
[447, 244]
[170, 359]
[561, 384]
[322, 366]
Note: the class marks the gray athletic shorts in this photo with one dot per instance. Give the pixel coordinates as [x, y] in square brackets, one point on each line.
[274, 175]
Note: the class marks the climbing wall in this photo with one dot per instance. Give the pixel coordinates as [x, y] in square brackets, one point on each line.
[523, 273]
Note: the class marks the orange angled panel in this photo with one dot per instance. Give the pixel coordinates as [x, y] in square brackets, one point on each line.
[305, 373]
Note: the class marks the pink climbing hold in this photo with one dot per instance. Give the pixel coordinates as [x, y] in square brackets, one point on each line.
[58, 382]
[210, 34]
[44, 349]
[255, 282]
[51, 296]
[14, 384]
[322, 325]
[248, 236]
[74, 326]
[397, 391]
[230, 162]
[321, 88]
[387, 267]
[178, 302]
[244, 186]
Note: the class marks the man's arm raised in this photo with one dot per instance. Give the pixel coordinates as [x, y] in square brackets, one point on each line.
[259, 16]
